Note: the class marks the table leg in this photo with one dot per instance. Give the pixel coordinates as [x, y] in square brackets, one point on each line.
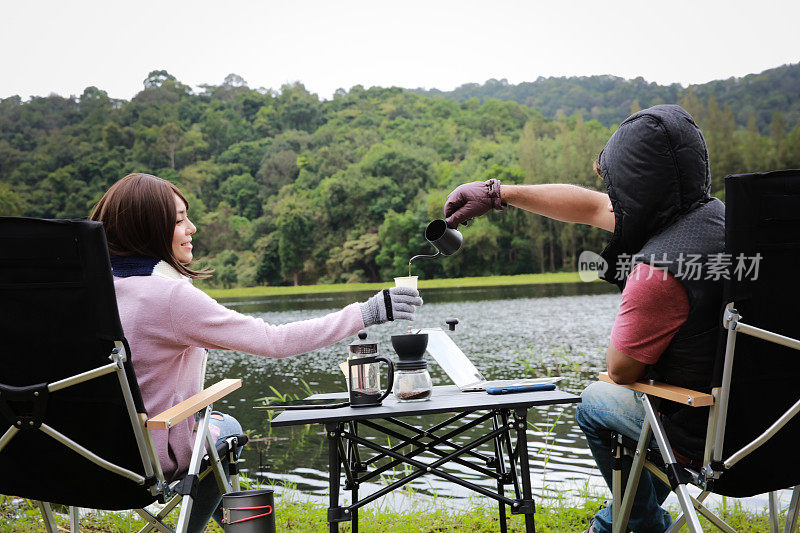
[334, 469]
[499, 459]
[354, 514]
[355, 466]
[521, 425]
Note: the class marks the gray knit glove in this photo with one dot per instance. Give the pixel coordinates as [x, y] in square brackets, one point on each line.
[390, 304]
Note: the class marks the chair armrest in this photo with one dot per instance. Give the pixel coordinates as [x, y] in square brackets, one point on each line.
[191, 405]
[668, 392]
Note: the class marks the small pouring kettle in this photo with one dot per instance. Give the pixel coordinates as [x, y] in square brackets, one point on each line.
[364, 376]
[445, 239]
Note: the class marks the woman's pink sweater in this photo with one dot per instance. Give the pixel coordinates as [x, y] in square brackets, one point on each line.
[168, 323]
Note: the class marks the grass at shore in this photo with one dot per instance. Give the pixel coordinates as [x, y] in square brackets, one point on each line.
[305, 517]
[447, 283]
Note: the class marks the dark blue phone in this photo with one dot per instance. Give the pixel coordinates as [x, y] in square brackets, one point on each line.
[510, 389]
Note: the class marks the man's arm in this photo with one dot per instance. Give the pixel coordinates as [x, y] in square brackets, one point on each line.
[561, 201]
[621, 368]
[654, 306]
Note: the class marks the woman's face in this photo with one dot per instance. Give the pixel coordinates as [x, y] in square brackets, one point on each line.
[182, 237]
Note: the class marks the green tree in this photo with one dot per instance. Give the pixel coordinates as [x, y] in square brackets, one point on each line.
[298, 109]
[777, 137]
[156, 78]
[170, 137]
[221, 229]
[754, 147]
[401, 238]
[10, 202]
[357, 258]
[294, 231]
[531, 154]
[241, 192]
[410, 167]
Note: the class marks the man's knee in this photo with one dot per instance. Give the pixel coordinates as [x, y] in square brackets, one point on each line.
[605, 406]
[595, 396]
[597, 393]
[601, 401]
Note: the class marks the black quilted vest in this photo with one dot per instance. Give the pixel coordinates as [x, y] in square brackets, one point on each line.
[688, 361]
[656, 172]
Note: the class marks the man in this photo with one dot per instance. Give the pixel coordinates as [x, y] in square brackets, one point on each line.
[665, 226]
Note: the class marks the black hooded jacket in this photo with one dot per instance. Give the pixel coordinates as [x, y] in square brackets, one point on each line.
[656, 171]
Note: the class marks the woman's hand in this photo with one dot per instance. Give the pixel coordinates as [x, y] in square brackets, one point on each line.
[397, 303]
[472, 200]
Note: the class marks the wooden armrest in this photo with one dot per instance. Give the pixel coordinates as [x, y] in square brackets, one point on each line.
[669, 392]
[190, 406]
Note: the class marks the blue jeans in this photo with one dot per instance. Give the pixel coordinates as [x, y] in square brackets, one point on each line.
[605, 407]
[209, 497]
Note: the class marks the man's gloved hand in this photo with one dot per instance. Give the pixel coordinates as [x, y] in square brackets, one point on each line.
[472, 200]
[397, 303]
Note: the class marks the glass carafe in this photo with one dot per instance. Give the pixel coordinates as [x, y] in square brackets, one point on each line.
[412, 385]
[412, 382]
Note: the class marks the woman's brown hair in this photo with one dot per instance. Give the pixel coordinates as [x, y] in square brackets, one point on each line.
[138, 214]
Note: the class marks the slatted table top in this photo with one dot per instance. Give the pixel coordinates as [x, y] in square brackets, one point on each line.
[445, 399]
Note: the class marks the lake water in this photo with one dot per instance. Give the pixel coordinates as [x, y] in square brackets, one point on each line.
[508, 332]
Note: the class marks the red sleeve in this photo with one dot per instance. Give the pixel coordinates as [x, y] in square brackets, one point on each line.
[654, 306]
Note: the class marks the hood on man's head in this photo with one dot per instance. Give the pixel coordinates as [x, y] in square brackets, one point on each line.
[656, 169]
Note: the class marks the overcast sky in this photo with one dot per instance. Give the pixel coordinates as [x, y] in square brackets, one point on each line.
[64, 46]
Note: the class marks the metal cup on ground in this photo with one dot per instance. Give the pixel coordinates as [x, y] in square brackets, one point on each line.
[249, 511]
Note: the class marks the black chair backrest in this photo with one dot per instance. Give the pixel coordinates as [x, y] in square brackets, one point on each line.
[60, 318]
[763, 217]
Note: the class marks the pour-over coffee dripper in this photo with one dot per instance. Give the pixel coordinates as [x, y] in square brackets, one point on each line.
[412, 382]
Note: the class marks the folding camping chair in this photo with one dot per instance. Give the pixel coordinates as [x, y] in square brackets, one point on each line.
[752, 432]
[73, 428]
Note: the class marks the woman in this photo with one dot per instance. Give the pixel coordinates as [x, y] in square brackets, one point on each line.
[169, 323]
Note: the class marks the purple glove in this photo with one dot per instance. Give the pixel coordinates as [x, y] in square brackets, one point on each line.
[472, 200]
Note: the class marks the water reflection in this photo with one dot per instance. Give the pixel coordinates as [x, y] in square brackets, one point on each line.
[270, 304]
[506, 331]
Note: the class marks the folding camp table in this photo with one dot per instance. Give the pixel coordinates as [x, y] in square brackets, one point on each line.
[504, 417]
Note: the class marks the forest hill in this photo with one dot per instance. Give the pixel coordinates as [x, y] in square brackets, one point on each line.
[287, 188]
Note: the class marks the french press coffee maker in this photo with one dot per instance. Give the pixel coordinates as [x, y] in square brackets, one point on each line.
[364, 373]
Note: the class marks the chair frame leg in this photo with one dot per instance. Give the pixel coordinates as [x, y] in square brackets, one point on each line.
[616, 481]
[681, 490]
[48, 517]
[198, 451]
[711, 517]
[235, 482]
[216, 465]
[74, 519]
[619, 521]
[774, 509]
[154, 521]
[791, 514]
